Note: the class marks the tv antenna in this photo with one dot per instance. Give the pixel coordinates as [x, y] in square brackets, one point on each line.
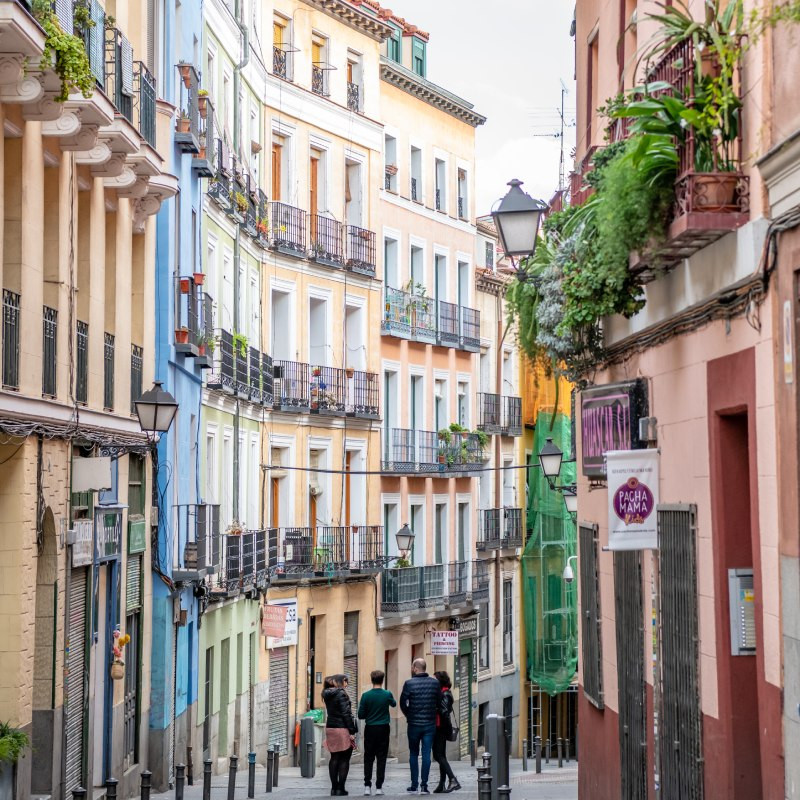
[559, 134]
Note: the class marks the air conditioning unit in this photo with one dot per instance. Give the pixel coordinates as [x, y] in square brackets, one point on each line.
[314, 489]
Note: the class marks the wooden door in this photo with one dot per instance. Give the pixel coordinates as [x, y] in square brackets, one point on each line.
[275, 507]
[350, 72]
[277, 157]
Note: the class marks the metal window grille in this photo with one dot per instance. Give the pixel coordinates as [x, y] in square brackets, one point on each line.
[490, 255]
[488, 412]
[680, 717]
[361, 250]
[363, 396]
[470, 328]
[489, 533]
[480, 581]
[108, 371]
[292, 386]
[326, 240]
[328, 390]
[512, 534]
[82, 363]
[137, 359]
[288, 227]
[49, 351]
[512, 416]
[279, 62]
[145, 100]
[591, 641]
[353, 96]
[10, 339]
[630, 673]
[318, 80]
[448, 323]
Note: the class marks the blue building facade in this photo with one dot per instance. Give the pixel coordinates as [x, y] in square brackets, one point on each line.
[182, 321]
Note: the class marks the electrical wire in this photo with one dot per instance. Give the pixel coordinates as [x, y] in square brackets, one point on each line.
[467, 473]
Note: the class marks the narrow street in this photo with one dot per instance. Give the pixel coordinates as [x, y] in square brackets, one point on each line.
[552, 784]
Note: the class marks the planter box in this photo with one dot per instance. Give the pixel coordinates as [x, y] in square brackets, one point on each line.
[7, 774]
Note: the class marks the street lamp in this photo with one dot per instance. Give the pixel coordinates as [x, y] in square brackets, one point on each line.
[517, 219]
[156, 409]
[550, 458]
[570, 495]
[405, 540]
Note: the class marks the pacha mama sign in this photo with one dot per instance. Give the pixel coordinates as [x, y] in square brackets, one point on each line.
[632, 499]
[610, 417]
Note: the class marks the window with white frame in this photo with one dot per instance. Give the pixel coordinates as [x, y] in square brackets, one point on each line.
[255, 474]
[508, 622]
[463, 404]
[440, 185]
[390, 162]
[483, 637]
[440, 404]
[415, 188]
[227, 478]
[390, 263]
[211, 466]
[254, 313]
[463, 200]
[439, 533]
[243, 479]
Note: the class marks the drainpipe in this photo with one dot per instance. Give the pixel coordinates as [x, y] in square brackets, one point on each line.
[244, 41]
[498, 475]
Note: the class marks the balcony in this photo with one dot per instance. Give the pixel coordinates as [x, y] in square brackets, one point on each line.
[318, 80]
[353, 97]
[361, 256]
[458, 586]
[194, 319]
[137, 361]
[328, 551]
[219, 188]
[412, 452]
[438, 199]
[204, 162]
[499, 528]
[512, 416]
[462, 213]
[414, 190]
[424, 319]
[108, 371]
[326, 241]
[187, 131]
[480, 582]
[415, 591]
[327, 391]
[197, 541]
[244, 566]
[240, 370]
[499, 414]
[280, 62]
[11, 328]
[288, 229]
[49, 351]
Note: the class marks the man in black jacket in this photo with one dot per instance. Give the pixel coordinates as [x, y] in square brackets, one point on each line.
[420, 702]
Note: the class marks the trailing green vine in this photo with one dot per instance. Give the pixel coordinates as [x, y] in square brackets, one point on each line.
[12, 743]
[65, 52]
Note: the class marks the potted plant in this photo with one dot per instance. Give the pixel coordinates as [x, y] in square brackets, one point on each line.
[391, 169]
[349, 371]
[241, 201]
[184, 123]
[402, 563]
[444, 444]
[117, 664]
[316, 372]
[234, 529]
[13, 743]
[199, 278]
[202, 103]
[262, 226]
[185, 285]
[186, 73]
[181, 335]
[240, 344]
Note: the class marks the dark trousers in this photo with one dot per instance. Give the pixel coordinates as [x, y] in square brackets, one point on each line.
[376, 748]
[440, 756]
[338, 767]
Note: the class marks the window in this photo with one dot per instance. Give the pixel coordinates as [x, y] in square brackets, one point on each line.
[463, 405]
[416, 266]
[211, 467]
[394, 46]
[463, 205]
[136, 486]
[318, 349]
[440, 534]
[591, 647]
[243, 481]
[463, 531]
[353, 200]
[390, 411]
[280, 342]
[227, 476]
[281, 51]
[355, 88]
[440, 277]
[253, 510]
[440, 179]
[418, 529]
[489, 255]
[416, 420]
[211, 73]
[319, 65]
[483, 711]
[483, 637]
[416, 175]
[109, 497]
[390, 276]
[255, 312]
[390, 162]
[440, 405]
[418, 63]
[508, 622]
[508, 708]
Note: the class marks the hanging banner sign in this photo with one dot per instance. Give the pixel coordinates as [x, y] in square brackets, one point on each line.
[444, 643]
[273, 622]
[632, 499]
[288, 636]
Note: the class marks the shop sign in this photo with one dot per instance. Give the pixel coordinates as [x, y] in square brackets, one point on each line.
[137, 536]
[469, 628]
[289, 637]
[444, 643]
[632, 499]
[273, 621]
[610, 417]
[109, 535]
[82, 540]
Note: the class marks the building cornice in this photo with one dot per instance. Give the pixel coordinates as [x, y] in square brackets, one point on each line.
[490, 282]
[430, 93]
[351, 15]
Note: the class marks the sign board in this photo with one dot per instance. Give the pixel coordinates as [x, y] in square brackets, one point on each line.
[91, 474]
[82, 541]
[273, 621]
[444, 643]
[137, 536]
[469, 628]
[109, 534]
[610, 417]
[632, 499]
[289, 637]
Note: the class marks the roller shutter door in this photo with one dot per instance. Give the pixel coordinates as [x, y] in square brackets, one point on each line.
[77, 680]
[351, 671]
[279, 698]
[464, 692]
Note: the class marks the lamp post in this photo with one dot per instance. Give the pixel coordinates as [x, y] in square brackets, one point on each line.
[550, 459]
[517, 219]
[156, 409]
[405, 540]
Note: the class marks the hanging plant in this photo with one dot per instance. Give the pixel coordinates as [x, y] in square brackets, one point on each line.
[65, 53]
[12, 743]
[240, 344]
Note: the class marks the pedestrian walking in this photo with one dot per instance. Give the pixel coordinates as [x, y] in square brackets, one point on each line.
[340, 731]
[374, 710]
[445, 732]
[420, 702]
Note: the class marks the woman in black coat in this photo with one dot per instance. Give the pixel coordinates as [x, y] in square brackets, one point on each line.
[340, 730]
[444, 730]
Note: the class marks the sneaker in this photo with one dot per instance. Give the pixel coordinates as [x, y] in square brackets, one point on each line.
[379, 791]
[367, 791]
[424, 789]
[412, 789]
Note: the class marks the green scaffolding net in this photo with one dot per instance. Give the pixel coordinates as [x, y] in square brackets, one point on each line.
[551, 624]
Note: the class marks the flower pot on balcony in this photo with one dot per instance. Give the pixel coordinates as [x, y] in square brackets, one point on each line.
[183, 125]
[201, 153]
[202, 105]
[715, 191]
[181, 336]
[186, 74]
[349, 372]
[316, 372]
[201, 348]
[117, 670]
[199, 277]
[185, 285]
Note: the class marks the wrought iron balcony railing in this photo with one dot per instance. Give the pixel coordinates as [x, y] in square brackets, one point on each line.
[363, 395]
[406, 590]
[425, 319]
[197, 539]
[137, 362]
[480, 581]
[82, 363]
[194, 317]
[325, 550]
[318, 80]
[328, 391]
[489, 412]
[187, 133]
[219, 188]
[412, 451]
[499, 528]
[288, 229]
[512, 416]
[244, 563]
[438, 199]
[11, 327]
[292, 390]
[49, 351]
[241, 370]
[280, 62]
[361, 256]
[457, 582]
[94, 42]
[108, 371]
[353, 96]
[461, 208]
[326, 240]
[414, 193]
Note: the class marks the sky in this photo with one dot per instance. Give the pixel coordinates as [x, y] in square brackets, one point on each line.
[508, 58]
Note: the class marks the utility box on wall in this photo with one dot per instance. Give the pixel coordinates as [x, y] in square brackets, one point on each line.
[743, 616]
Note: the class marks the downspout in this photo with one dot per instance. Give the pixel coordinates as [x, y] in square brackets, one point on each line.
[498, 475]
[244, 42]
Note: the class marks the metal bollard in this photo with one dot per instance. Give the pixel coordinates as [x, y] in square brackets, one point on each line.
[189, 766]
[560, 746]
[524, 755]
[485, 786]
[206, 779]
[79, 793]
[111, 788]
[251, 775]
[503, 791]
[310, 757]
[234, 761]
[473, 752]
[276, 763]
[547, 751]
[145, 790]
[537, 752]
[270, 759]
[180, 778]
[487, 760]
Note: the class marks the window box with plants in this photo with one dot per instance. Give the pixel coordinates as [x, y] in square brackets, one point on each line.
[13, 744]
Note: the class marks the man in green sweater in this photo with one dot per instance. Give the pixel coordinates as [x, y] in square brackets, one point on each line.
[374, 710]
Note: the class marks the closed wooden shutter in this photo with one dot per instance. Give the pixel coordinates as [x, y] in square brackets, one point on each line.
[276, 171]
[63, 9]
[279, 698]
[590, 624]
[77, 680]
